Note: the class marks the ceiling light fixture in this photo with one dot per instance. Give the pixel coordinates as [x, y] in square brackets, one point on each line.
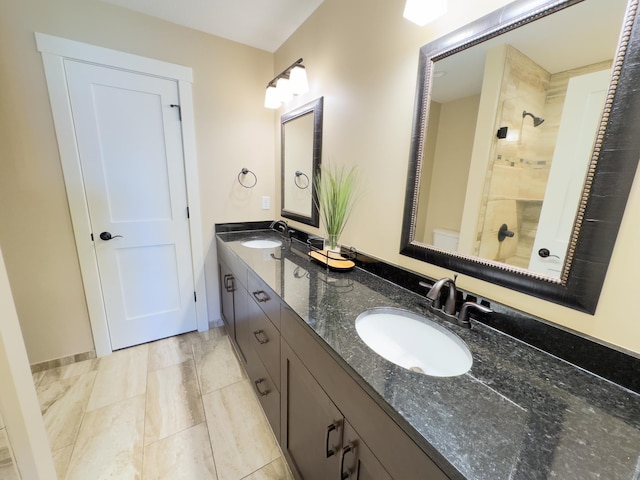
[291, 81]
[422, 12]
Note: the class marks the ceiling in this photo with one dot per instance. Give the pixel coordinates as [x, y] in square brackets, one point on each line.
[258, 23]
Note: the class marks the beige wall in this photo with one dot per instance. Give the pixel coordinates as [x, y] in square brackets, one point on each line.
[35, 227]
[456, 128]
[363, 57]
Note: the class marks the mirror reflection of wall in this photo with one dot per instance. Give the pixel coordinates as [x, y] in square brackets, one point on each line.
[301, 151]
[474, 181]
[298, 151]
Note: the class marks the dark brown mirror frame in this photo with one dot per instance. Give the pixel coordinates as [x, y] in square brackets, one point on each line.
[316, 108]
[609, 179]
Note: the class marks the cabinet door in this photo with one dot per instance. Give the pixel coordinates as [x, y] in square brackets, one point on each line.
[357, 462]
[311, 429]
[227, 287]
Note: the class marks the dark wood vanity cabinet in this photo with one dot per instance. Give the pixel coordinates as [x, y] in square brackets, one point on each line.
[311, 428]
[328, 425]
[253, 333]
[317, 440]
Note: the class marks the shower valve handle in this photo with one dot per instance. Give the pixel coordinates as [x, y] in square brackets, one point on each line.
[504, 232]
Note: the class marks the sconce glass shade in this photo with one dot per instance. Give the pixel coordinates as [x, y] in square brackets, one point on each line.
[298, 80]
[271, 98]
[283, 88]
[422, 12]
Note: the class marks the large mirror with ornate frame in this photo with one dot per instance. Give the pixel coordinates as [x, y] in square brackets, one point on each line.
[301, 153]
[525, 146]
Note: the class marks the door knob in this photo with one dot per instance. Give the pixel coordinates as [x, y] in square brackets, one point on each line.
[544, 253]
[107, 236]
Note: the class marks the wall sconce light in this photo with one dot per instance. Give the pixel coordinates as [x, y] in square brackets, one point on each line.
[291, 81]
[422, 12]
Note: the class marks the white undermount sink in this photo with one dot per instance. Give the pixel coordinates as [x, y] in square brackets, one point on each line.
[262, 243]
[414, 342]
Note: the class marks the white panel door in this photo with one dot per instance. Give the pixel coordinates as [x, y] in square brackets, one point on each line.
[130, 145]
[581, 114]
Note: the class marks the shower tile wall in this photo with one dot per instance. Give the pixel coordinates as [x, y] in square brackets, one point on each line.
[521, 167]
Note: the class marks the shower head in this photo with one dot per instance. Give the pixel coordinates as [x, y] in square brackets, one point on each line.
[537, 121]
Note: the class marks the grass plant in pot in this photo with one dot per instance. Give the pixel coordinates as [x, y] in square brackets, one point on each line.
[336, 188]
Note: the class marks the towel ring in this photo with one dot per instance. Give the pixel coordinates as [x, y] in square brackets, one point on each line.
[298, 175]
[245, 171]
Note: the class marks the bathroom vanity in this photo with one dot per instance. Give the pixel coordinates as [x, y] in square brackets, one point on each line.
[339, 410]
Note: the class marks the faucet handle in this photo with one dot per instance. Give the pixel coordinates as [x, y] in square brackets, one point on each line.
[463, 316]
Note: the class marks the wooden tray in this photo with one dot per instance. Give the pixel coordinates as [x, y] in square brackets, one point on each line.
[333, 260]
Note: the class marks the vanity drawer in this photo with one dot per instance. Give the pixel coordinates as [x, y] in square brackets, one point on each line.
[268, 301]
[267, 392]
[265, 341]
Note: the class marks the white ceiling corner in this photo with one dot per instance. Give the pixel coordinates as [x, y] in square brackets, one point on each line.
[257, 23]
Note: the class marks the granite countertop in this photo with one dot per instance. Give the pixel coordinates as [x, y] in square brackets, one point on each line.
[519, 413]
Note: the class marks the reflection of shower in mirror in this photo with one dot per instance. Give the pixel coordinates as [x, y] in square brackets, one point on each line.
[537, 121]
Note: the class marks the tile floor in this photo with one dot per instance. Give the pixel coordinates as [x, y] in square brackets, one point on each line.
[176, 409]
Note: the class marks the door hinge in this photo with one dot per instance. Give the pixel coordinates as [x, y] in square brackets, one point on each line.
[188, 214]
[195, 299]
[173, 105]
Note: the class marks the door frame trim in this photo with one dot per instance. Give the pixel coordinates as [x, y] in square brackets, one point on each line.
[54, 51]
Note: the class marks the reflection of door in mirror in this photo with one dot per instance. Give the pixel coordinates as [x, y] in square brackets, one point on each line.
[298, 168]
[581, 114]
